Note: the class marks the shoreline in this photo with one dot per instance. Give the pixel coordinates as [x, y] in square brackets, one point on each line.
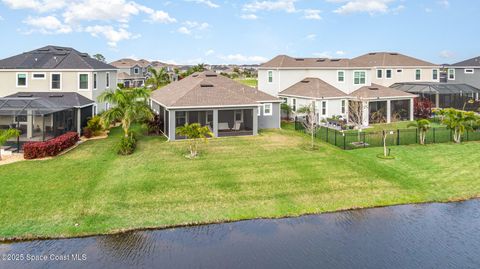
[14, 240]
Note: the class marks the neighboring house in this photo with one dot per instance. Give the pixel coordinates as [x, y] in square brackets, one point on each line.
[56, 70]
[467, 72]
[132, 73]
[327, 78]
[226, 106]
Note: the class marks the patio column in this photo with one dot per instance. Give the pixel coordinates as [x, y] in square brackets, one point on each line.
[365, 113]
[255, 120]
[79, 121]
[164, 119]
[437, 100]
[389, 111]
[412, 108]
[172, 125]
[29, 124]
[215, 123]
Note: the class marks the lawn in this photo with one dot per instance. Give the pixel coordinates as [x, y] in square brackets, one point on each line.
[252, 82]
[394, 126]
[91, 190]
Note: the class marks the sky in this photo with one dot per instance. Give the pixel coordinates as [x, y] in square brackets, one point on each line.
[243, 32]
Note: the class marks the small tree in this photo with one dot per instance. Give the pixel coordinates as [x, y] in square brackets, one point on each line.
[422, 108]
[458, 121]
[355, 115]
[7, 134]
[195, 133]
[99, 57]
[158, 79]
[423, 125]
[287, 109]
[310, 122]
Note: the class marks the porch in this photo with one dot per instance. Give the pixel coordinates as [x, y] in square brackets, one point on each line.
[381, 111]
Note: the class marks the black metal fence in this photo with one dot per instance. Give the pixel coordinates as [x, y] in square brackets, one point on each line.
[353, 139]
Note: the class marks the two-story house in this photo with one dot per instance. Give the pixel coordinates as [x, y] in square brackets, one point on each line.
[132, 73]
[51, 90]
[334, 84]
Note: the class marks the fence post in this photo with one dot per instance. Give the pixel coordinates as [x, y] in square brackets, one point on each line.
[364, 145]
[335, 138]
[326, 138]
[295, 123]
[434, 136]
[416, 136]
[344, 141]
[468, 139]
[398, 137]
[451, 135]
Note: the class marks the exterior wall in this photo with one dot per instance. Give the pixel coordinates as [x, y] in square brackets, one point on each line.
[270, 121]
[334, 107]
[462, 77]
[407, 75]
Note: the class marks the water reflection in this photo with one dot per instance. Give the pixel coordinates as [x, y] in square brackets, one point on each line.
[412, 236]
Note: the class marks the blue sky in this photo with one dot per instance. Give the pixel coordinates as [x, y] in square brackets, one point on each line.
[250, 31]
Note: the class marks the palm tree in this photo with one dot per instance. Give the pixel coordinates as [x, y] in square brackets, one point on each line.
[7, 134]
[194, 132]
[423, 125]
[311, 120]
[158, 79]
[458, 121]
[128, 105]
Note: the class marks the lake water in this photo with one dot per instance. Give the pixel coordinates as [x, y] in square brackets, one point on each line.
[410, 236]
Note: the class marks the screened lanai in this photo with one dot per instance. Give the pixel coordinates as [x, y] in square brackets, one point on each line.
[442, 95]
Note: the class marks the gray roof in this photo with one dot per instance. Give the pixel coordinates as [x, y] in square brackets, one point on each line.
[376, 91]
[434, 88]
[469, 63]
[207, 89]
[314, 88]
[53, 57]
[59, 99]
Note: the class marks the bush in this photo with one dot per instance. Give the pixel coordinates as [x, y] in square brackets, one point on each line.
[87, 132]
[52, 147]
[127, 145]
[95, 125]
[154, 125]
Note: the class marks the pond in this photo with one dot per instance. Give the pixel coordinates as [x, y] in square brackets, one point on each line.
[408, 236]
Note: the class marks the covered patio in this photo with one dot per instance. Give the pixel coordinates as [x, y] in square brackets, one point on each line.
[443, 95]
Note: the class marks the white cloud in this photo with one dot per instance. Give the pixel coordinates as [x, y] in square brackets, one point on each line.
[190, 26]
[47, 25]
[162, 17]
[184, 30]
[240, 58]
[209, 52]
[311, 14]
[444, 3]
[205, 2]
[111, 34]
[37, 5]
[340, 52]
[428, 10]
[446, 54]
[311, 36]
[324, 54]
[1, 18]
[359, 6]
[278, 5]
[249, 16]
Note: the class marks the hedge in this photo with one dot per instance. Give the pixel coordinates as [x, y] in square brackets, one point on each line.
[52, 147]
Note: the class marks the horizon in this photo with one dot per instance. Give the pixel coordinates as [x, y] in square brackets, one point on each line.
[217, 32]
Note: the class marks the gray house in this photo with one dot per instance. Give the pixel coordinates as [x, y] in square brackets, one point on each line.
[467, 72]
[226, 106]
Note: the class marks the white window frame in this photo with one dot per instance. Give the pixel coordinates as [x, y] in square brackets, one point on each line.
[264, 109]
[448, 73]
[343, 106]
[26, 80]
[359, 71]
[107, 80]
[95, 81]
[391, 73]
[235, 115]
[338, 76]
[51, 80]
[88, 82]
[433, 74]
[420, 76]
[136, 70]
[469, 69]
[381, 74]
[268, 76]
[324, 108]
[39, 73]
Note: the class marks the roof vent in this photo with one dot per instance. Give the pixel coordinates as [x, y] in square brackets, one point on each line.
[372, 53]
[305, 81]
[321, 60]
[55, 95]
[195, 75]
[299, 59]
[373, 88]
[393, 53]
[206, 85]
[43, 49]
[211, 75]
[334, 60]
[25, 95]
[84, 54]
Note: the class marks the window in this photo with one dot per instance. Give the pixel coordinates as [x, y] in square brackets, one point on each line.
[418, 74]
[180, 118]
[469, 71]
[108, 80]
[285, 100]
[270, 76]
[294, 104]
[344, 109]
[399, 70]
[359, 77]
[379, 73]
[239, 115]
[341, 76]
[94, 81]
[388, 73]
[83, 81]
[435, 74]
[324, 108]
[21, 80]
[38, 76]
[136, 70]
[451, 74]
[209, 117]
[56, 81]
[267, 109]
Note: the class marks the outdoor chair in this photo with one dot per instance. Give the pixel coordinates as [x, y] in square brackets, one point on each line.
[223, 126]
[236, 126]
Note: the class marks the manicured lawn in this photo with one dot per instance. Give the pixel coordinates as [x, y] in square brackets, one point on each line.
[395, 126]
[249, 82]
[271, 175]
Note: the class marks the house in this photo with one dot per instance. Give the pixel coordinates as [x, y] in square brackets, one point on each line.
[51, 90]
[226, 106]
[132, 73]
[467, 72]
[331, 83]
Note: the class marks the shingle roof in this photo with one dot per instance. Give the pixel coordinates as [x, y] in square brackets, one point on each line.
[209, 89]
[469, 63]
[128, 63]
[387, 59]
[60, 99]
[124, 75]
[314, 88]
[378, 91]
[53, 57]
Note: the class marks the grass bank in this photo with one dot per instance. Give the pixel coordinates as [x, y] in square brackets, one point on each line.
[91, 190]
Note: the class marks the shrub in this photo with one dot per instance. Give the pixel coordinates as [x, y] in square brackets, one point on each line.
[127, 145]
[154, 125]
[87, 132]
[52, 147]
[422, 108]
[95, 125]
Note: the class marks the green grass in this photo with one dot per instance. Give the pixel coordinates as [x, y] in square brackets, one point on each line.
[271, 175]
[394, 126]
[252, 82]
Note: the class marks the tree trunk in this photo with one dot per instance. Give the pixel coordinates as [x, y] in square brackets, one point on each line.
[385, 144]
